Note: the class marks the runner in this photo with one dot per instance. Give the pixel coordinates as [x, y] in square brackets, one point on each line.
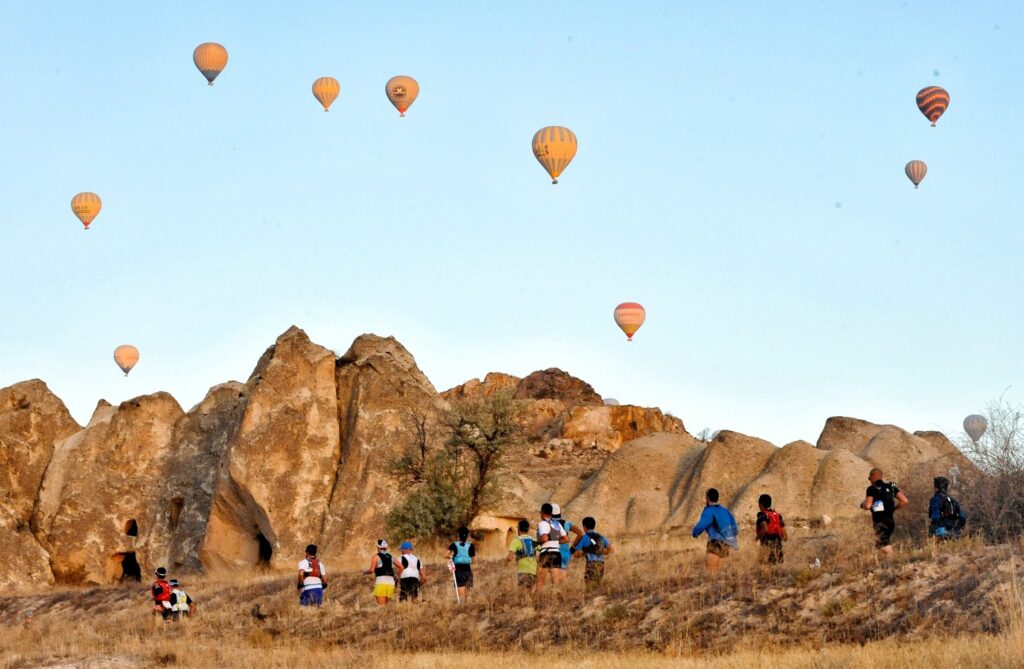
[413, 575]
[721, 527]
[312, 579]
[594, 548]
[523, 549]
[382, 566]
[550, 536]
[883, 500]
[461, 553]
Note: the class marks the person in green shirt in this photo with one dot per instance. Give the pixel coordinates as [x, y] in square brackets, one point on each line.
[523, 549]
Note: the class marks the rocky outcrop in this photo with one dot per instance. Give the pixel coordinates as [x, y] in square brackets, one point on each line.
[493, 383]
[554, 384]
[608, 427]
[99, 501]
[276, 480]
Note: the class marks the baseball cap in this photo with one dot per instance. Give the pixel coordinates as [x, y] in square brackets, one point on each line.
[382, 543]
[406, 546]
[556, 510]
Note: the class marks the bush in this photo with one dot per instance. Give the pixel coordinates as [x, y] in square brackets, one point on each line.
[993, 497]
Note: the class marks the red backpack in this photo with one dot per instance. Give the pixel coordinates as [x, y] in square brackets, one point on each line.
[314, 566]
[161, 591]
[773, 528]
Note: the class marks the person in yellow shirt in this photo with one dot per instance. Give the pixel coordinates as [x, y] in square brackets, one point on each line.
[523, 549]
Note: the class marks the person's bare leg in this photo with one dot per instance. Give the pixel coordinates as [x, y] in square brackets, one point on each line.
[714, 563]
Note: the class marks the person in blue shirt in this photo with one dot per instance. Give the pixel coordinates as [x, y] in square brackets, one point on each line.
[721, 528]
[569, 526]
[947, 519]
[594, 548]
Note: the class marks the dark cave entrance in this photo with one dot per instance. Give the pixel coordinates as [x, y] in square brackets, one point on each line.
[130, 569]
[266, 551]
[131, 528]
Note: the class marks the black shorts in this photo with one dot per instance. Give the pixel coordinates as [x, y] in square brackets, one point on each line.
[463, 576]
[549, 560]
[410, 589]
[883, 532]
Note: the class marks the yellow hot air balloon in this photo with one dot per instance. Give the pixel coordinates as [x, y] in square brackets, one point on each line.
[211, 59]
[402, 91]
[326, 89]
[86, 206]
[629, 316]
[126, 356]
[554, 147]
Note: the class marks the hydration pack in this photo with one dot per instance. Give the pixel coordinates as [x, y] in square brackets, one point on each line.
[314, 568]
[386, 566]
[462, 555]
[529, 549]
[596, 545]
[773, 528]
[950, 509]
[887, 495]
[161, 591]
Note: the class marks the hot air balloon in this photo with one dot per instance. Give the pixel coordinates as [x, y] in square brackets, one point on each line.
[126, 356]
[86, 206]
[211, 59]
[554, 147]
[933, 102]
[326, 89]
[629, 316]
[916, 169]
[402, 92]
[975, 426]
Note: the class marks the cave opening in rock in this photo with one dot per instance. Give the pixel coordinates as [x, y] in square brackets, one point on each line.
[131, 528]
[174, 515]
[130, 569]
[266, 551]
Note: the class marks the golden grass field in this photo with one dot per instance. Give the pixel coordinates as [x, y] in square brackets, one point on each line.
[957, 606]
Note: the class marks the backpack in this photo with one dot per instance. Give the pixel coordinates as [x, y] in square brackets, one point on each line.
[528, 550]
[386, 566]
[773, 526]
[462, 555]
[161, 591]
[556, 533]
[888, 496]
[314, 566]
[950, 509]
[596, 545]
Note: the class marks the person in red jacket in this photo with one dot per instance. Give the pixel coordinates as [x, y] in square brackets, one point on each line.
[161, 592]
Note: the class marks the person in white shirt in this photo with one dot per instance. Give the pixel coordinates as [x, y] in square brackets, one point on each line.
[412, 576]
[312, 579]
[550, 535]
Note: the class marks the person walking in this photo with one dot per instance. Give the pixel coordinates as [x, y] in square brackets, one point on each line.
[721, 528]
[312, 579]
[944, 512]
[413, 574]
[770, 529]
[523, 549]
[461, 553]
[594, 548]
[571, 529]
[382, 566]
[161, 594]
[883, 500]
[550, 536]
[182, 606]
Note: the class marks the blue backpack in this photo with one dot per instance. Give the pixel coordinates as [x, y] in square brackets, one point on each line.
[462, 553]
[528, 550]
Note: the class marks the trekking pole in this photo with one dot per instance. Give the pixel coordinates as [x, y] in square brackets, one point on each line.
[455, 581]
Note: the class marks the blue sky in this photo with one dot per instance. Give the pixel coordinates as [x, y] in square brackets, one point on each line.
[740, 173]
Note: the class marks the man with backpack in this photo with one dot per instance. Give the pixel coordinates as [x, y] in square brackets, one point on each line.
[523, 549]
[412, 576]
[947, 519]
[594, 548]
[883, 500]
[161, 593]
[771, 531]
[312, 579]
[550, 536]
[570, 529]
[182, 605]
[722, 530]
[461, 553]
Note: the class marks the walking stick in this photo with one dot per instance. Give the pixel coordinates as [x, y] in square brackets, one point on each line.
[455, 581]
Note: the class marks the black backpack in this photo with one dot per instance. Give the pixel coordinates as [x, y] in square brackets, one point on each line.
[950, 509]
[887, 495]
[596, 545]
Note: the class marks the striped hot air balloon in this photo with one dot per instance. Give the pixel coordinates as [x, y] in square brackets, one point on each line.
[554, 147]
[933, 102]
[975, 427]
[916, 169]
[325, 90]
[211, 59]
[126, 356]
[402, 91]
[629, 316]
[86, 206]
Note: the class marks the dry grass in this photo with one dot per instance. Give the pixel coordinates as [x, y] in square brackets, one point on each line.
[657, 609]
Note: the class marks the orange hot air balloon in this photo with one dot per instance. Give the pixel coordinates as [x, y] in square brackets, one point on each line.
[554, 148]
[933, 102]
[211, 59]
[916, 169]
[126, 356]
[629, 316]
[402, 92]
[86, 206]
[326, 89]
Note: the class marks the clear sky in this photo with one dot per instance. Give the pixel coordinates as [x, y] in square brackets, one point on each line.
[740, 173]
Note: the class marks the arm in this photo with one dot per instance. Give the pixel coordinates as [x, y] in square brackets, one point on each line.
[373, 565]
[758, 529]
[901, 501]
[866, 504]
[703, 523]
[575, 529]
[302, 577]
[935, 510]
[423, 573]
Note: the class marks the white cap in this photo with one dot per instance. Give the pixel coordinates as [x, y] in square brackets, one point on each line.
[555, 509]
[383, 543]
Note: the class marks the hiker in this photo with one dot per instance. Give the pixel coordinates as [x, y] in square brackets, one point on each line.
[461, 553]
[550, 536]
[716, 520]
[770, 529]
[181, 604]
[382, 566]
[523, 549]
[947, 519]
[312, 579]
[883, 500]
[412, 576]
[569, 526]
[161, 592]
[594, 548]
